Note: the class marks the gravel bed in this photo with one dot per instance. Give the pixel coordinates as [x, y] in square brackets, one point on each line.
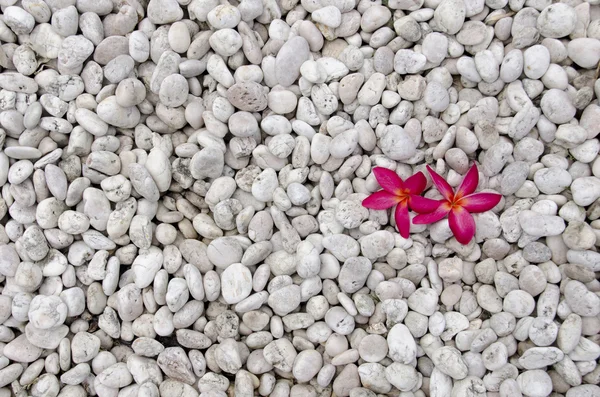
[183, 186]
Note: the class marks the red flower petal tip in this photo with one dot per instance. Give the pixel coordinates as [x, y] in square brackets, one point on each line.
[380, 200]
[388, 180]
[462, 225]
[480, 202]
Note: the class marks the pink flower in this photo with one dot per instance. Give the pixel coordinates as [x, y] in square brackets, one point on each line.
[402, 194]
[459, 205]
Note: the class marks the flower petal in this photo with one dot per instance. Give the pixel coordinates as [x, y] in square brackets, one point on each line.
[380, 200]
[469, 184]
[439, 213]
[480, 202]
[442, 186]
[462, 225]
[423, 205]
[403, 219]
[388, 180]
[416, 183]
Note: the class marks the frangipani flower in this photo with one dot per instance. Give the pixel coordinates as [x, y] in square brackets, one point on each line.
[402, 194]
[459, 205]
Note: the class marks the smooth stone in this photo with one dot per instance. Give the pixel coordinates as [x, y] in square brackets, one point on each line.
[585, 52]
[236, 283]
[289, 59]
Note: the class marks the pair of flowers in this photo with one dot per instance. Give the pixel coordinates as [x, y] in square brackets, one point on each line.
[457, 205]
